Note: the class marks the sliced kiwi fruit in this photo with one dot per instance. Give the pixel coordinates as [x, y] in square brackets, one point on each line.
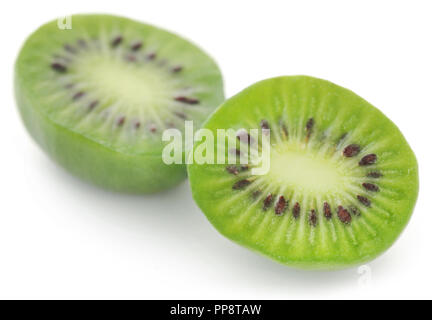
[341, 185]
[97, 97]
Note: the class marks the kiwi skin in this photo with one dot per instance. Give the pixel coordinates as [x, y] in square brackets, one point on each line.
[205, 195]
[98, 163]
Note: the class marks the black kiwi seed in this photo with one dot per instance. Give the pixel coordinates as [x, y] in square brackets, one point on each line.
[232, 169]
[374, 174]
[280, 206]
[368, 160]
[93, 104]
[58, 67]
[351, 150]
[296, 210]
[152, 128]
[364, 200]
[177, 69]
[239, 185]
[151, 56]
[264, 124]
[121, 121]
[137, 125]
[309, 127]
[327, 210]
[313, 219]
[370, 187]
[310, 124]
[78, 95]
[268, 201]
[116, 41]
[136, 46]
[344, 215]
[186, 100]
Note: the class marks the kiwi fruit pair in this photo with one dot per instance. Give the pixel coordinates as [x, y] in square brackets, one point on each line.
[98, 96]
[342, 181]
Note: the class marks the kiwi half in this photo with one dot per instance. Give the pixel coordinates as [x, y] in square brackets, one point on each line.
[97, 97]
[342, 182]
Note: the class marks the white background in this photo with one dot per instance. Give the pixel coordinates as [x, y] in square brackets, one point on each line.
[62, 238]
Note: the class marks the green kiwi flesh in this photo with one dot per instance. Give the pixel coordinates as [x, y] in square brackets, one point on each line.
[342, 182]
[98, 96]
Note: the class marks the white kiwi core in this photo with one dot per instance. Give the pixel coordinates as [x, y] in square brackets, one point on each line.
[139, 87]
[296, 166]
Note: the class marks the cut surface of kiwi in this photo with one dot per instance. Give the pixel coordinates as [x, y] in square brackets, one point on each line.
[341, 185]
[98, 96]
